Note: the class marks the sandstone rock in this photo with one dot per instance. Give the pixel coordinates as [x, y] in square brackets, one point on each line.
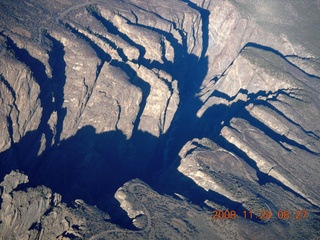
[21, 209]
[12, 181]
[130, 204]
[215, 104]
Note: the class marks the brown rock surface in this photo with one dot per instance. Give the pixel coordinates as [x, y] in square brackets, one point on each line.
[214, 105]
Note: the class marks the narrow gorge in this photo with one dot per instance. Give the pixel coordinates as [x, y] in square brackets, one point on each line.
[139, 119]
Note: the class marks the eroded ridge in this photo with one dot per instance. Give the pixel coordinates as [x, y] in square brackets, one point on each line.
[212, 105]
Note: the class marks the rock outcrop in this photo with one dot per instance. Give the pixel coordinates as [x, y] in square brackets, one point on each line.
[21, 209]
[213, 105]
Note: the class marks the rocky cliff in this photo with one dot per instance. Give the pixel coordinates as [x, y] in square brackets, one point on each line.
[141, 120]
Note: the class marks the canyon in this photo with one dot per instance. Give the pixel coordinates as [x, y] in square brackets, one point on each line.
[139, 119]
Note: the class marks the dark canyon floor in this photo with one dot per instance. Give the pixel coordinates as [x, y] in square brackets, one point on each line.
[159, 119]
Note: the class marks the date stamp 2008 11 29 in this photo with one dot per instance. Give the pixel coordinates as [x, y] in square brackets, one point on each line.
[263, 216]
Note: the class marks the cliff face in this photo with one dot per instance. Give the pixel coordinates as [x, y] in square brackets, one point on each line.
[213, 105]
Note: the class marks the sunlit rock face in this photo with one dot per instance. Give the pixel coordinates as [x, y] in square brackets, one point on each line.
[142, 120]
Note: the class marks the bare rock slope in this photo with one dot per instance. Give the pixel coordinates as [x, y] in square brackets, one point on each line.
[147, 119]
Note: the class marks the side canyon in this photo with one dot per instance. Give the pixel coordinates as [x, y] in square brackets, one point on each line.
[141, 119]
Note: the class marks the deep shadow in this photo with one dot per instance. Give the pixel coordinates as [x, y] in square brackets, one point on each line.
[58, 66]
[204, 13]
[114, 30]
[210, 126]
[135, 80]
[13, 94]
[51, 93]
[92, 166]
[38, 71]
[176, 182]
